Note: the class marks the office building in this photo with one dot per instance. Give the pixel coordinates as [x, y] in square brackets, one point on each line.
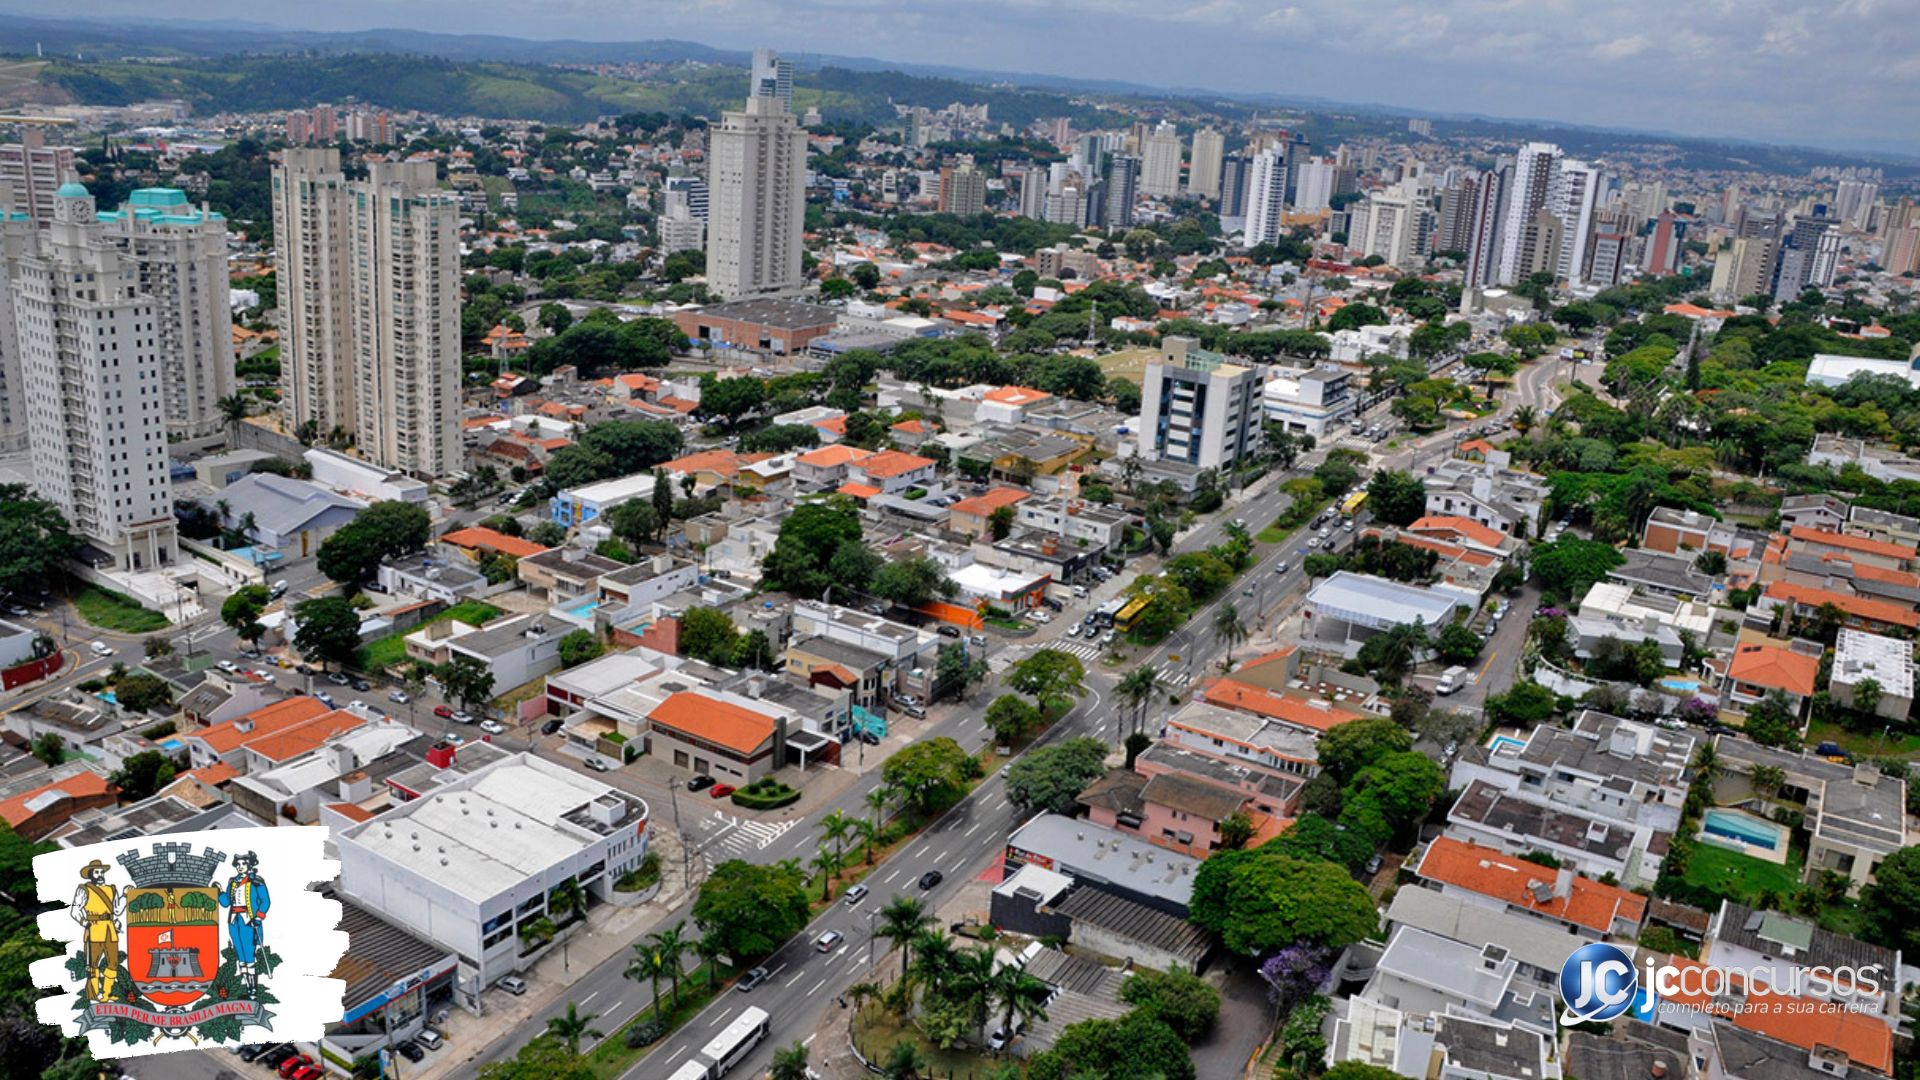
[693, 190]
[406, 319]
[677, 228]
[1809, 254]
[1663, 248]
[1091, 154]
[1033, 193]
[34, 171]
[758, 158]
[1313, 186]
[963, 190]
[1266, 198]
[1198, 407]
[1235, 172]
[1203, 171]
[1160, 162]
[92, 382]
[772, 77]
[1123, 182]
[1607, 254]
[1533, 171]
[313, 260]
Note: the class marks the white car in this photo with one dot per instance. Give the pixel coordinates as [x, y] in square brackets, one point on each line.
[1107, 638]
[1041, 617]
[1313, 541]
[101, 648]
[462, 717]
[1074, 630]
[493, 727]
[227, 666]
[398, 697]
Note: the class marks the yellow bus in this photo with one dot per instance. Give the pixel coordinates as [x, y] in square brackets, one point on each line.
[1129, 615]
[1353, 503]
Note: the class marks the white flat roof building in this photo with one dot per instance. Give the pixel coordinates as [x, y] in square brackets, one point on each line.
[1347, 602]
[1828, 369]
[1859, 656]
[473, 862]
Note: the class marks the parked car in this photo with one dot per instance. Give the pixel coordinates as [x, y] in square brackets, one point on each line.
[444, 712]
[916, 711]
[829, 941]
[719, 791]
[700, 783]
[411, 1050]
[461, 716]
[308, 1072]
[857, 894]
[1074, 630]
[751, 979]
[324, 698]
[250, 1051]
[514, 984]
[931, 878]
[339, 678]
[277, 1054]
[398, 697]
[551, 726]
[294, 1064]
[949, 631]
[430, 1039]
[278, 590]
[977, 640]
[359, 684]
[1039, 616]
[493, 727]
[597, 765]
[228, 666]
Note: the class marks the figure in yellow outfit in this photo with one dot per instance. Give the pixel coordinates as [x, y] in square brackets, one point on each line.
[98, 906]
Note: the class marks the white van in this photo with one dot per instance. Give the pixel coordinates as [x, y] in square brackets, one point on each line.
[1450, 680]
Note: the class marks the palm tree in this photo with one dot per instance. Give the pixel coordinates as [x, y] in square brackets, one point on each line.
[835, 828]
[649, 965]
[1231, 630]
[878, 800]
[710, 949]
[1137, 688]
[863, 992]
[1707, 761]
[901, 921]
[867, 834]
[671, 946]
[1523, 419]
[233, 408]
[935, 962]
[573, 1026]
[248, 526]
[1767, 780]
[1018, 994]
[828, 863]
[565, 900]
[789, 1063]
[970, 979]
[904, 1061]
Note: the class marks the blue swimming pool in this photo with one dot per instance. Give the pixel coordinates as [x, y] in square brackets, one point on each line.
[1745, 828]
[1506, 742]
[1681, 686]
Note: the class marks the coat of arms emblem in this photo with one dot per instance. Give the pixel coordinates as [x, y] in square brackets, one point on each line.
[171, 941]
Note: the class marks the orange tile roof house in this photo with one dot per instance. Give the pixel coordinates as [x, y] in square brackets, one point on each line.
[974, 516]
[893, 470]
[1880, 552]
[1862, 612]
[828, 465]
[1009, 404]
[1306, 713]
[34, 814]
[214, 743]
[475, 541]
[715, 737]
[1458, 866]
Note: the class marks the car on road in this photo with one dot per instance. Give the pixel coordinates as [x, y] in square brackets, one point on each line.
[461, 716]
[1346, 526]
[700, 783]
[1074, 630]
[359, 684]
[751, 979]
[931, 878]
[339, 678]
[595, 764]
[493, 727]
[17, 611]
[1313, 541]
[719, 791]
[1040, 616]
[278, 590]
[857, 894]
[228, 666]
[513, 984]
[1108, 638]
[250, 653]
[324, 698]
[978, 641]
[1248, 591]
[551, 726]
[1281, 567]
[454, 738]
[263, 674]
[398, 697]
[272, 1056]
[829, 941]
[444, 712]
[949, 631]
[1373, 866]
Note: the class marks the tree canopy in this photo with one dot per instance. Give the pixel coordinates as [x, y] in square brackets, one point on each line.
[1258, 901]
[750, 909]
[1049, 777]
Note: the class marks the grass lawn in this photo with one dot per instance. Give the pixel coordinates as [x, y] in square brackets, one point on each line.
[877, 1029]
[385, 652]
[1864, 743]
[1742, 877]
[110, 610]
[1279, 531]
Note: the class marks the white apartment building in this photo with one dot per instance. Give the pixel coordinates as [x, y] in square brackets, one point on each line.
[406, 319]
[1571, 197]
[92, 382]
[181, 254]
[1160, 162]
[1266, 197]
[472, 862]
[1313, 186]
[1197, 406]
[1533, 171]
[1203, 171]
[33, 171]
[1308, 402]
[1395, 225]
[757, 200]
[313, 261]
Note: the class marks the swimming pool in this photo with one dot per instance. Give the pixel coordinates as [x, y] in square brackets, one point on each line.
[1743, 828]
[1506, 742]
[1681, 686]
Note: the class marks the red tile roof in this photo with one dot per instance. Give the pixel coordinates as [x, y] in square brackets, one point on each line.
[86, 784]
[858, 491]
[1464, 527]
[1798, 1021]
[481, 538]
[1864, 545]
[1016, 395]
[279, 716]
[719, 722]
[986, 503]
[829, 456]
[1313, 714]
[1493, 873]
[1881, 611]
[893, 463]
[1775, 668]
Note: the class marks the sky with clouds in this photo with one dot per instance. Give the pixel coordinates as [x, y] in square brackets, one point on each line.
[1842, 73]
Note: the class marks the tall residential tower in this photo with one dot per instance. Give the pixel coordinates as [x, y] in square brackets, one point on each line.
[757, 187]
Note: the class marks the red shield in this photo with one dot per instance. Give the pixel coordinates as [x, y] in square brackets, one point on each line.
[173, 942]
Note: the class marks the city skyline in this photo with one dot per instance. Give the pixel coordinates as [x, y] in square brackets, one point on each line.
[1743, 71]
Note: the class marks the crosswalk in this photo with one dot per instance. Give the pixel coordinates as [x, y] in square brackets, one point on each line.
[726, 836]
[1172, 675]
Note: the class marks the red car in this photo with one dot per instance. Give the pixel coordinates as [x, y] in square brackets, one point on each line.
[444, 712]
[720, 791]
[309, 1072]
[295, 1063]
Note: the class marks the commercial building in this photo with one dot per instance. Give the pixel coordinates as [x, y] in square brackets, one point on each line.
[590, 502]
[92, 382]
[779, 327]
[1106, 860]
[757, 187]
[406, 319]
[1308, 402]
[471, 863]
[1344, 610]
[289, 516]
[1197, 407]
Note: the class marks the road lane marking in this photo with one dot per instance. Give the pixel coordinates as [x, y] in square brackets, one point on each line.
[969, 831]
[808, 1041]
[889, 878]
[716, 1020]
[589, 997]
[817, 986]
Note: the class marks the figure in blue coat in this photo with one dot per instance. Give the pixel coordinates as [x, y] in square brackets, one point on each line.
[246, 901]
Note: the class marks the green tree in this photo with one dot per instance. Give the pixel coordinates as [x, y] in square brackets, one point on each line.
[555, 318]
[930, 773]
[1569, 566]
[142, 692]
[1050, 677]
[1231, 630]
[809, 538]
[1137, 1046]
[636, 522]
[1772, 721]
[668, 948]
[352, 555]
[544, 1058]
[1049, 778]
[956, 671]
[1235, 830]
[1892, 902]
[578, 647]
[467, 680]
[1457, 644]
[912, 582]
[790, 1062]
[327, 628]
[731, 399]
[1183, 1001]
[1011, 717]
[1358, 1070]
[35, 539]
[572, 1026]
[51, 749]
[751, 909]
[1258, 902]
[707, 634]
[1138, 688]
[244, 606]
[902, 922]
[1396, 498]
[1348, 748]
[142, 774]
